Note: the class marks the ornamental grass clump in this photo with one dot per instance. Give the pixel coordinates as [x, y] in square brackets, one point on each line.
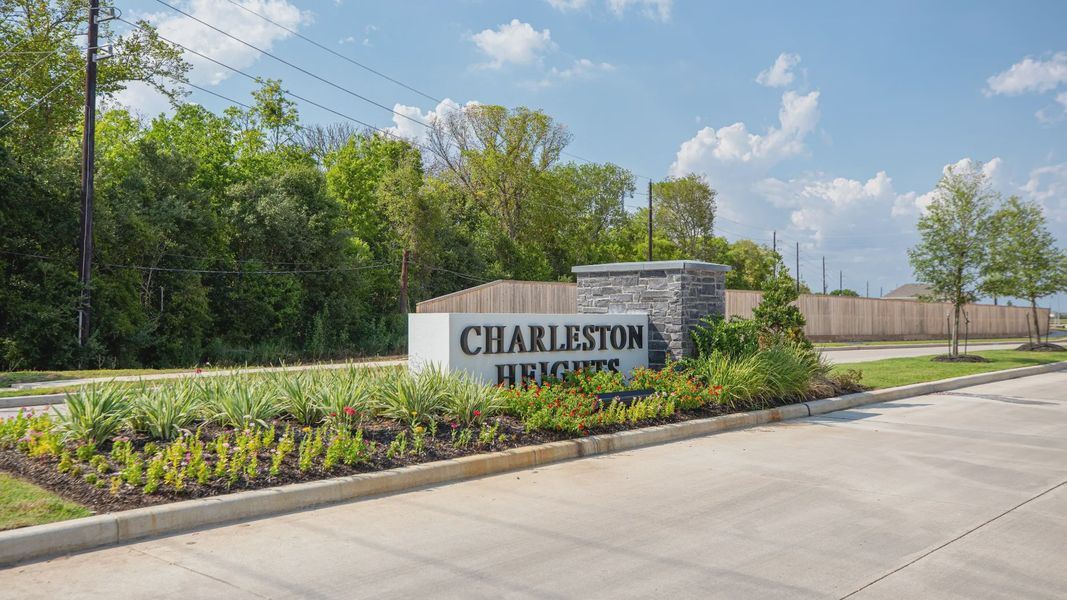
[468, 402]
[297, 395]
[165, 412]
[241, 403]
[345, 399]
[413, 399]
[94, 414]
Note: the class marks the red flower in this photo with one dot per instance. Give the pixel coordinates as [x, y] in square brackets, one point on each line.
[199, 370]
[350, 411]
[333, 414]
[477, 413]
[455, 425]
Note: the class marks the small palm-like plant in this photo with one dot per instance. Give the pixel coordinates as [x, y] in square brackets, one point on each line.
[468, 401]
[165, 412]
[413, 398]
[242, 403]
[94, 414]
[297, 394]
[346, 398]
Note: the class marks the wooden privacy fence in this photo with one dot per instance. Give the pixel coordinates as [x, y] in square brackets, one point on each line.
[503, 296]
[830, 318]
[840, 318]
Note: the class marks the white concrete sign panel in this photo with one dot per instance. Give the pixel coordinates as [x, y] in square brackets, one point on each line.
[509, 348]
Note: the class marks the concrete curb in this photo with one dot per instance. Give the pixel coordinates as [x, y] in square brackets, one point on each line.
[66, 537]
[903, 346]
[28, 401]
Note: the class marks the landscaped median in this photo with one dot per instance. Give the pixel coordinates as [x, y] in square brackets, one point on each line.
[123, 526]
[893, 372]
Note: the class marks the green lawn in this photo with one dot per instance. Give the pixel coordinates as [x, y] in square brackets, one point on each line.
[907, 342]
[892, 372]
[23, 504]
[9, 378]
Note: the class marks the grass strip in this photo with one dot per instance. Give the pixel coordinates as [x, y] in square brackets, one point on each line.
[23, 504]
[893, 372]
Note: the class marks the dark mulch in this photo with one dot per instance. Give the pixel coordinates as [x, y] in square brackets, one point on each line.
[42, 471]
[1041, 347]
[962, 358]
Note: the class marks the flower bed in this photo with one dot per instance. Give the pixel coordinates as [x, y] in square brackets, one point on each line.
[117, 448]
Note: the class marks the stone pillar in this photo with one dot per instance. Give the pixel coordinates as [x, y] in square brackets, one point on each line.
[674, 293]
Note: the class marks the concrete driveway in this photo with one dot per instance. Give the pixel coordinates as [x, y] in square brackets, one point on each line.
[857, 356]
[955, 495]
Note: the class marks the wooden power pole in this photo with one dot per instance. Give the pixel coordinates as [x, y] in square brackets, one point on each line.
[824, 275]
[650, 220]
[85, 263]
[798, 267]
[404, 282]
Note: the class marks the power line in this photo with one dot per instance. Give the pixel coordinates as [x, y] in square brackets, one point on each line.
[294, 66]
[39, 100]
[372, 70]
[211, 271]
[335, 53]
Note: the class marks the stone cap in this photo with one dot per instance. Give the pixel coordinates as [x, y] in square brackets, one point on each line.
[655, 265]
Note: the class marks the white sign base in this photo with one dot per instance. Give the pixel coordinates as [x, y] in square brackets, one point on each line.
[508, 348]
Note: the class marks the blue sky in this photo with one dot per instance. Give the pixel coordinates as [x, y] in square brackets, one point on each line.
[827, 122]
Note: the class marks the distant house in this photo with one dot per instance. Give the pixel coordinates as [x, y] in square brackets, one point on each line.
[909, 291]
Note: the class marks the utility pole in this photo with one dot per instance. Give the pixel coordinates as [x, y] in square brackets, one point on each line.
[824, 275]
[85, 264]
[840, 280]
[798, 267]
[868, 289]
[404, 282]
[774, 248]
[649, 220]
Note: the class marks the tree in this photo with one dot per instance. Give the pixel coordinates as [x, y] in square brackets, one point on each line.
[1024, 261]
[501, 157]
[777, 314]
[752, 265]
[684, 208]
[954, 247]
[845, 292]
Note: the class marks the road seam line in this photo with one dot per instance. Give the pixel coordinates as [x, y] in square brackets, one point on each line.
[953, 540]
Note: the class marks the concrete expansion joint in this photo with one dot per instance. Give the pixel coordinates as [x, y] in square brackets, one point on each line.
[65, 537]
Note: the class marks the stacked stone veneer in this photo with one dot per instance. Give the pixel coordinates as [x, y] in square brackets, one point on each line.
[675, 294]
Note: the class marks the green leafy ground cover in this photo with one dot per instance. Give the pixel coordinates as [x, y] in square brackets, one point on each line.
[893, 372]
[23, 504]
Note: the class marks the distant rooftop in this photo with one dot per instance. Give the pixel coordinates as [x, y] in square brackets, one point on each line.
[909, 291]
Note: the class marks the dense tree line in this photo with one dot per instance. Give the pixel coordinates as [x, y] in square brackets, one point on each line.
[248, 236]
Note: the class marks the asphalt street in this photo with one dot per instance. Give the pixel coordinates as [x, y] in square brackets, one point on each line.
[953, 495]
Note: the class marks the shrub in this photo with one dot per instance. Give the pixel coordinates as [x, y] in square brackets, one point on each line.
[413, 398]
[777, 373]
[776, 314]
[241, 403]
[734, 338]
[297, 395]
[468, 401]
[94, 414]
[165, 412]
[346, 398]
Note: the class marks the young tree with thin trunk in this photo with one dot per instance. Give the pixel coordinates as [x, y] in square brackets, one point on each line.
[953, 253]
[1024, 260]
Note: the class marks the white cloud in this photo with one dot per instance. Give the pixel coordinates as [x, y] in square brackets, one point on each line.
[1048, 185]
[583, 68]
[659, 10]
[515, 42]
[798, 116]
[227, 17]
[407, 129]
[347, 40]
[568, 5]
[780, 74]
[912, 204]
[1030, 75]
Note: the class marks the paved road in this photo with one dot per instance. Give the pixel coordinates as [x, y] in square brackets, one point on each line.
[857, 356]
[957, 495]
[29, 387]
